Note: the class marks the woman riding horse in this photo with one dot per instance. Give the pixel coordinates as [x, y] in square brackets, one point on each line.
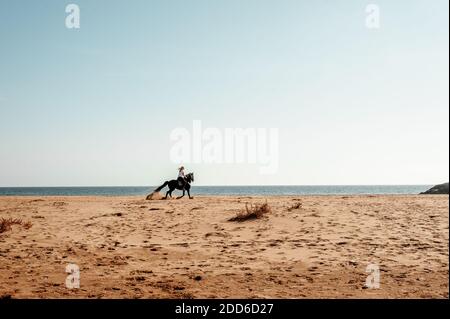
[183, 182]
[181, 176]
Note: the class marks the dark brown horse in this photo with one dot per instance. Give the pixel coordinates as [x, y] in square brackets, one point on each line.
[174, 184]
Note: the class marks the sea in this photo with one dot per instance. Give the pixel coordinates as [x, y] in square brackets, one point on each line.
[219, 190]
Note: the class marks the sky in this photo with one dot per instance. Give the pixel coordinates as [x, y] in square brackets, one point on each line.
[96, 106]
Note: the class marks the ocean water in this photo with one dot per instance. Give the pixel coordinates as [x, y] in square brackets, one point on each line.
[218, 190]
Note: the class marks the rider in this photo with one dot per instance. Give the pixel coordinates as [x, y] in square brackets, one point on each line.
[181, 177]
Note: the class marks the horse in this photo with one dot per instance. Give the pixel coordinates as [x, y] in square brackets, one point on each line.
[174, 184]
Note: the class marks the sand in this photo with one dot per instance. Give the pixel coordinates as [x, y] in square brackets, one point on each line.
[127, 247]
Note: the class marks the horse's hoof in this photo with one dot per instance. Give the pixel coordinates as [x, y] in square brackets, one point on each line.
[191, 197]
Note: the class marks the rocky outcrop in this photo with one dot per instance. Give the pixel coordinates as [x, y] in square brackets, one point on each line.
[436, 190]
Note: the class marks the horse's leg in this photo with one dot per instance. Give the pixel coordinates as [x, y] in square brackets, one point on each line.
[189, 194]
[181, 195]
[167, 194]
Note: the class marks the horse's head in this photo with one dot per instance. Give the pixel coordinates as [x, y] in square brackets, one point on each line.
[189, 177]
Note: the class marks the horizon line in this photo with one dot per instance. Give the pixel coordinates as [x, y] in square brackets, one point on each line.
[237, 185]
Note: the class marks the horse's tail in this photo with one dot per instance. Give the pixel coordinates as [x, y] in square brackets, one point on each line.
[162, 186]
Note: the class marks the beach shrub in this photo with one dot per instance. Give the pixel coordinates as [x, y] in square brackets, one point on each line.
[7, 223]
[253, 212]
[297, 205]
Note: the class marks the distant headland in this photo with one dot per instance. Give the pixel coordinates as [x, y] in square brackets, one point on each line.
[437, 190]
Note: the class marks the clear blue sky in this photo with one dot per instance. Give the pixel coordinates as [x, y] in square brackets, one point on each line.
[96, 106]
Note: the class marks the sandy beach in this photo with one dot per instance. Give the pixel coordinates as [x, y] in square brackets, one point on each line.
[128, 247]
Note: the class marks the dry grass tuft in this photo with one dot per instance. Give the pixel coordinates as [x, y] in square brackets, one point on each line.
[297, 205]
[253, 212]
[6, 224]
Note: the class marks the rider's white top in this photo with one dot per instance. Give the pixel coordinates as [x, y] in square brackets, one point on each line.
[181, 173]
